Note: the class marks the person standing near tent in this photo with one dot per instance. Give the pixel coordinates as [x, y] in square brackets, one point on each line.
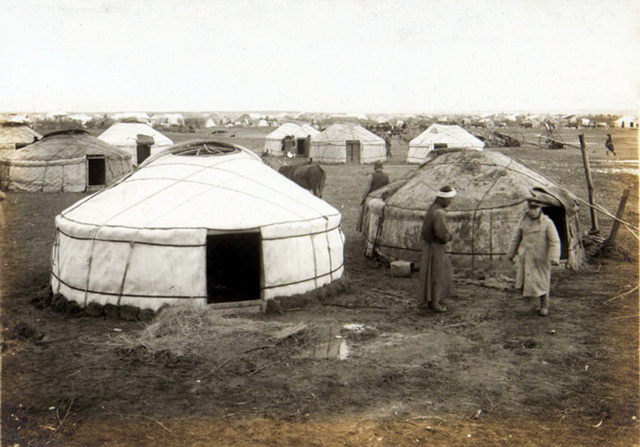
[537, 246]
[376, 180]
[387, 143]
[436, 271]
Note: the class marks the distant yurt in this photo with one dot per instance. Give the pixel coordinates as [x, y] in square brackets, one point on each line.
[16, 135]
[491, 189]
[439, 136]
[275, 144]
[627, 121]
[347, 143]
[66, 160]
[138, 139]
[203, 222]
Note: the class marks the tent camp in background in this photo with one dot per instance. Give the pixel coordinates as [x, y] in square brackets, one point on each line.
[490, 203]
[279, 239]
[275, 143]
[347, 143]
[440, 136]
[67, 160]
[15, 135]
[626, 122]
[139, 140]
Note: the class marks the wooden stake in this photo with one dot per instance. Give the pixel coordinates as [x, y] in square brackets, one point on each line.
[619, 213]
[587, 171]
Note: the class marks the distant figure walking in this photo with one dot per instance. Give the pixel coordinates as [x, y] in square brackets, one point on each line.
[609, 145]
[387, 143]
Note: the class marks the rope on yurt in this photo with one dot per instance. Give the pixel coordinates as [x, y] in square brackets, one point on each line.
[326, 236]
[90, 262]
[56, 256]
[126, 270]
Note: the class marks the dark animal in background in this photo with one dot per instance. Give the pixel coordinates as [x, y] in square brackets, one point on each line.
[609, 145]
[309, 176]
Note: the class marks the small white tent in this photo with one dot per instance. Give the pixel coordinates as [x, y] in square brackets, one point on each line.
[139, 140]
[626, 122]
[66, 160]
[273, 142]
[347, 143]
[441, 136]
[202, 221]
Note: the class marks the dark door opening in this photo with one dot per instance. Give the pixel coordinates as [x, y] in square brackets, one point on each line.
[143, 147]
[300, 146]
[559, 217]
[97, 167]
[353, 151]
[233, 267]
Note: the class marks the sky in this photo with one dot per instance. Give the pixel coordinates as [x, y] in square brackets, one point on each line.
[350, 56]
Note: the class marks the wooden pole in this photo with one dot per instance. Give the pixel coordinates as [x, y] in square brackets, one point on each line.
[619, 213]
[587, 171]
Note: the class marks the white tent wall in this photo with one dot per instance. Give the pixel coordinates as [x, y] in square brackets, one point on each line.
[336, 153]
[124, 135]
[83, 269]
[68, 175]
[273, 141]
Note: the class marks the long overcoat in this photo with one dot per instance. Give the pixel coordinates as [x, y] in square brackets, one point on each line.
[536, 243]
[436, 271]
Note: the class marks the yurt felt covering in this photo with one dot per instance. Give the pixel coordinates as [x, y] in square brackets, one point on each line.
[331, 146]
[60, 162]
[482, 218]
[143, 241]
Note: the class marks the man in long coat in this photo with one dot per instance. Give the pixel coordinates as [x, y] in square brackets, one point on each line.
[436, 271]
[537, 246]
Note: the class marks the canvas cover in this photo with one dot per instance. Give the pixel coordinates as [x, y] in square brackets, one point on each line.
[273, 141]
[490, 202]
[453, 136]
[142, 242]
[59, 162]
[331, 145]
[17, 135]
[124, 136]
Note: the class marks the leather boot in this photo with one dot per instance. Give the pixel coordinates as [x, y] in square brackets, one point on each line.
[544, 305]
[437, 307]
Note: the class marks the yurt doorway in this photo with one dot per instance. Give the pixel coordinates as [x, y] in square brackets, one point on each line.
[353, 151]
[559, 217]
[233, 267]
[96, 170]
[143, 147]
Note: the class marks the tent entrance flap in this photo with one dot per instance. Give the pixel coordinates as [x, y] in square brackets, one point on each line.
[233, 267]
[96, 170]
[353, 151]
[559, 217]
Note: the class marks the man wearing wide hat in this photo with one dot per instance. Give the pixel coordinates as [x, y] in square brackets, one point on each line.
[536, 245]
[436, 271]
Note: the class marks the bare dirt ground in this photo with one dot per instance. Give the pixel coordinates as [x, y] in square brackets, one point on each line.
[481, 375]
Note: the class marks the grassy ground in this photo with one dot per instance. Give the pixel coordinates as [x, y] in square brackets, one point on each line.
[482, 374]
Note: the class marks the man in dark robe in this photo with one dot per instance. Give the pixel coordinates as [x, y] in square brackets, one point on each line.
[436, 271]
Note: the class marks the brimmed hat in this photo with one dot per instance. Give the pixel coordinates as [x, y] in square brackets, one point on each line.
[446, 192]
[535, 202]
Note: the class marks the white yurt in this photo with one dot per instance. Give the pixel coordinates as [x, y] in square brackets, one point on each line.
[347, 143]
[492, 188]
[439, 136]
[203, 221]
[274, 144]
[138, 139]
[67, 160]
